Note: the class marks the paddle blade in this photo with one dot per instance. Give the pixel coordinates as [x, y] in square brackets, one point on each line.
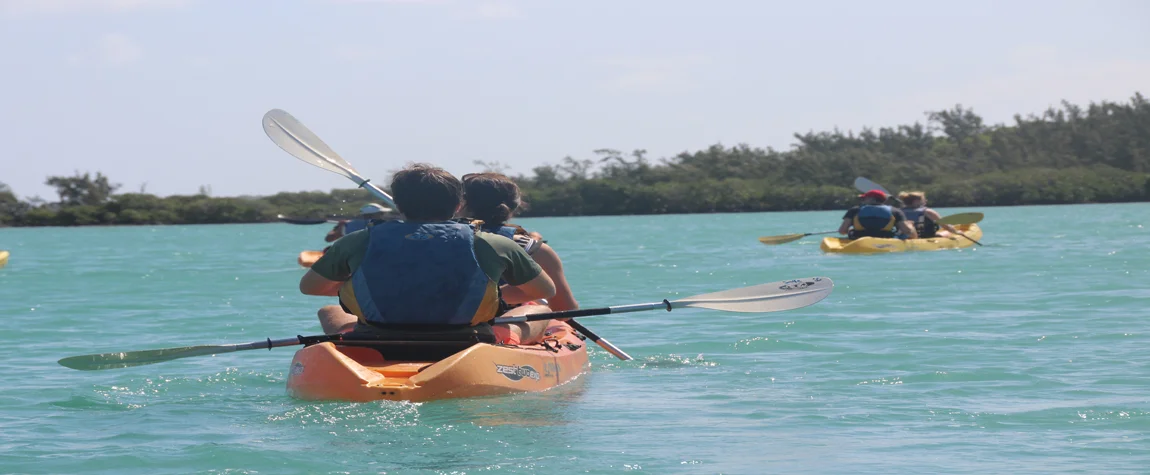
[289, 134]
[771, 240]
[961, 218]
[139, 358]
[762, 298]
[864, 185]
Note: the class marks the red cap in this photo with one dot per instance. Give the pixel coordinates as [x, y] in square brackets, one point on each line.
[876, 194]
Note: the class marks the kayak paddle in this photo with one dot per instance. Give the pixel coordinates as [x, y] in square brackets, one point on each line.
[296, 139]
[144, 357]
[785, 238]
[864, 185]
[960, 219]
[762, 298]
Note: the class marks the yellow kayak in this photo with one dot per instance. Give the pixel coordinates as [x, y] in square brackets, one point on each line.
[3, 259]
[870, 245]
[307, 258]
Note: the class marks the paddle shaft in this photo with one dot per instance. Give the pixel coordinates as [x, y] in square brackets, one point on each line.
[968, 237]
[603, 343]
[586, 312]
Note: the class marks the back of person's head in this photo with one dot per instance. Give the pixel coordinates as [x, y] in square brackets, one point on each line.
[912, 198]
[426, 193]
[491, 197]
[873, 197]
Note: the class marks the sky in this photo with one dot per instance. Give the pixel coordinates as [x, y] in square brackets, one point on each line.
[167, 95]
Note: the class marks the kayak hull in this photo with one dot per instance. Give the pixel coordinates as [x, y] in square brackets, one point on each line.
[869, 245]
[327, 372]
[307, 258]
[3, 259]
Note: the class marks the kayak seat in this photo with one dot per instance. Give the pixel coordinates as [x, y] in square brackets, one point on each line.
[417, 342]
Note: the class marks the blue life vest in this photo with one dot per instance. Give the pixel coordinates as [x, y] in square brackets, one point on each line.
[874, 221]
[354, 225]
[505, 231]
[421, 273]
[925, 226]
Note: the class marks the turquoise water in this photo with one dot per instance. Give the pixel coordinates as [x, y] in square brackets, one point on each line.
[1027, 355]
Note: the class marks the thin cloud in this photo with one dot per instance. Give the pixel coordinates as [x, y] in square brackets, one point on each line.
[499, 10]
[85, 6]
[1039, 77]
[357, 53]
[111, 49]
[652, 75]
[410, 2]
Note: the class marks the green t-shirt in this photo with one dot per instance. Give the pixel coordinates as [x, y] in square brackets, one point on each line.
[498, 256]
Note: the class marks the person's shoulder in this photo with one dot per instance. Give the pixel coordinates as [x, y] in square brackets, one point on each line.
[492, 238]
[353, 239]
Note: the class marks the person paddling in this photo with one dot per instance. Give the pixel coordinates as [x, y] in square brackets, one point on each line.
[367, 213]
[924, 220]
[491, 199]
[872, 218]
[426, 272]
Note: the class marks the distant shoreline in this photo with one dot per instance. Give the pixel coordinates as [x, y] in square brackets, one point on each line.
[322, 226]
[1092, 154]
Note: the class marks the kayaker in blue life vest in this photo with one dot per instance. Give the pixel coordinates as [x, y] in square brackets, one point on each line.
[872, 218]
[924, 220]
[367, 213]
[427, 272]
[493, 198]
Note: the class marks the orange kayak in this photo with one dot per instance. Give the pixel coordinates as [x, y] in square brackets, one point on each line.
[307, 258]
[327, 371]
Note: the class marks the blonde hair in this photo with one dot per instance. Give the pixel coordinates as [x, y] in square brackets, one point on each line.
[912, 195]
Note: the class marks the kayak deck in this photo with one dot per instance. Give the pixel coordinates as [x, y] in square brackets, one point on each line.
[870, 245]
[327, 371]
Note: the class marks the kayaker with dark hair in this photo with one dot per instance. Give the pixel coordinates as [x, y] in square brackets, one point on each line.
[426, 272]
[924, 220]
[367, 213]
[491, 199]
[872, 218]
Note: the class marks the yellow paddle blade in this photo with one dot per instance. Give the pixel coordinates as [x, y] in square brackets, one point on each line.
[961, 218]
[780, 239]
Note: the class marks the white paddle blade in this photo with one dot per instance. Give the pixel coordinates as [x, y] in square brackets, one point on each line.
[296, 139]
[864, 185]
[763, 298]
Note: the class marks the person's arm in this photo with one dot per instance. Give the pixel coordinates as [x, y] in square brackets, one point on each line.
[335, 233]
[845, 227]
[334, 267]
[934, 216]
[314, 284]
[526, 280]
[907, 229]
[549, 260]
[541, 287]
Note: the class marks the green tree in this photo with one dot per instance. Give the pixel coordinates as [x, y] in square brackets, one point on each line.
[82, 189]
